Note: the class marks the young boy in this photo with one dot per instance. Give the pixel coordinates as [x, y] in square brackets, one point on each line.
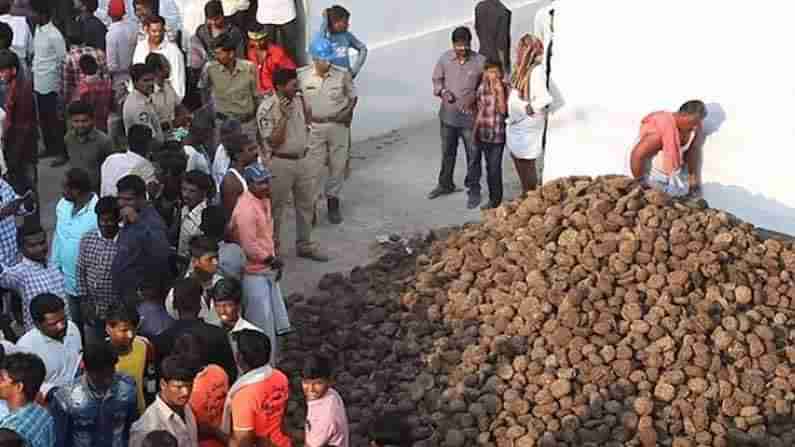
[136, 354]
[326, 420]
[204, 268]
[489, 136]
[95, 89]
[336, 21]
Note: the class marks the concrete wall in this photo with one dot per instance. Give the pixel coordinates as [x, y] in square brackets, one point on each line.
[613, 65]
[405, 39]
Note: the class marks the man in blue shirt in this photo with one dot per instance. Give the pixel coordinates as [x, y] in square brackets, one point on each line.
[143, 240]
[27, 419]
[336, 21]
[74, 217]
[100, 407]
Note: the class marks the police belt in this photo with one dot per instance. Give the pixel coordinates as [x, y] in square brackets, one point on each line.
[290, 156]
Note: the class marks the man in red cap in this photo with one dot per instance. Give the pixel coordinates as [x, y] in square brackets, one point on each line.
[121, 40]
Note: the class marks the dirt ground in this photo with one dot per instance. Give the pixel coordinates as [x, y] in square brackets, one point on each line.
[385, 194]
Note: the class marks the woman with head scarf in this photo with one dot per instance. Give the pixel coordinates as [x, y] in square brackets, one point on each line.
[528, 103]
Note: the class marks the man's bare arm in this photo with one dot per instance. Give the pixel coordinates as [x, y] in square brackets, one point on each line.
[643, 151]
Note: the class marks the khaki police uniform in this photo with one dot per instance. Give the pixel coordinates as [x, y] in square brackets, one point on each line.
[295, 168]
[327, 96]
[234, 93]
[139, 109]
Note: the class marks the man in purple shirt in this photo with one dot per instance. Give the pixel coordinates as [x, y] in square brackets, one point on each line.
[455, 80]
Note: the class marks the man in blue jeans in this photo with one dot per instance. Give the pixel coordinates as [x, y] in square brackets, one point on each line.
[455, 80]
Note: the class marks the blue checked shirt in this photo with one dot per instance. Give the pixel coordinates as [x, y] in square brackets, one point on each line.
[33, 424]
[29, 279]
[69, 229]
[94, 278]
[84, 418]
[9, 251]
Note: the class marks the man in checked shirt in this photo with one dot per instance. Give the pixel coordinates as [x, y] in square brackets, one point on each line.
[94, 280]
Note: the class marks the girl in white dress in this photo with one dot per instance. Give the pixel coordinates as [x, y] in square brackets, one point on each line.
[527, 109]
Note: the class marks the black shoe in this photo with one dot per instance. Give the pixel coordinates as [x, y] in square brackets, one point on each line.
[334, 215]
[440, 191]
[473, 201]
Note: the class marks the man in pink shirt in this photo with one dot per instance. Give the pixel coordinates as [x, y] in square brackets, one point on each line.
[326, 420]
[251, 226]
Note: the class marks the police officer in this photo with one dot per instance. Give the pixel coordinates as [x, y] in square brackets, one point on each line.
[283, 122]
[330, 94]
[138, 107]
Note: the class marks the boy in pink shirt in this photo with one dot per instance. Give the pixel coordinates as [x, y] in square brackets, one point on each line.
[326, 420]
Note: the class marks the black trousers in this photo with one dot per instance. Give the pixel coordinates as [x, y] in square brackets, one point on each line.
[493, 155]
[52, 124]
[450, 136]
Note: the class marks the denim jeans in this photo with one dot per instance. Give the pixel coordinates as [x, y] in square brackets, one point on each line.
[52, 125]
[450, 136]
[493, 155]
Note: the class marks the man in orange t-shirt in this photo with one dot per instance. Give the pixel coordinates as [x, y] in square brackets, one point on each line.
[267, 56]
[256, 404]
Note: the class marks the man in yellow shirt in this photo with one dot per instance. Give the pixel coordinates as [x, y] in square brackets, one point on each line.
[136, 354]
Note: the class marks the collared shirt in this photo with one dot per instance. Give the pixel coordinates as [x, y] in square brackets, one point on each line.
[233, 91]
[88, 151]
[9, 250]
[22, 44]
[32, 423]
[489, 123]
[189, 227]
[117, 166]
[240, 325]
[326, 95]
[94, 279]
[341, 44]
[252, 226]
[165, 101]
[29, 279]
[276, 12]
[174, 56]
[97, 91]
[207, 311]
[70, 226]
[493, 26]
[268, 115]
[121, 39]
[143, 248]
[49, 52]
[72, 74]
[159, 416]
[327, 421]
[206, 39]
[61, 357]
[275, 58]
[462, 81]
[20, 130]
[198, 159]
[93, 31]
[85, 418]
[139, 109]
[154, 319]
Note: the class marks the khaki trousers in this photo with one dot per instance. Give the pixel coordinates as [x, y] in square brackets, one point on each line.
[299, 178]
[332, 140]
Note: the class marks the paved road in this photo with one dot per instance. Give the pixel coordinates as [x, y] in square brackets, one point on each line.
[385, 194]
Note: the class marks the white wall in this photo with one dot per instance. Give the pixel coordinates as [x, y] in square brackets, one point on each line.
[405, 39]
[617, 61]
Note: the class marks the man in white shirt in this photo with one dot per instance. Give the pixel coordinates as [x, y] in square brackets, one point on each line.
[281, 24]
[23, 39]
[55, 339]
[49, 52]
[117, 166]
[155, 27]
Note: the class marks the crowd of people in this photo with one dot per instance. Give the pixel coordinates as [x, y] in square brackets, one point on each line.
[152, 316]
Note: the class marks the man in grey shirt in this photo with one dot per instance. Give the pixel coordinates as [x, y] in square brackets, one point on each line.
[455, 80]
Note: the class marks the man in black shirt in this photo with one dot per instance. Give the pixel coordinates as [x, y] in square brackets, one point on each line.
[493, 26]
[187, 296]
[91, 28]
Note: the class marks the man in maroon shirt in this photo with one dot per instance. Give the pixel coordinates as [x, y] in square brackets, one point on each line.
[20, 133]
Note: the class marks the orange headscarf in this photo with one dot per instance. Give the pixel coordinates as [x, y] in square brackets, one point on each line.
[528, 54]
